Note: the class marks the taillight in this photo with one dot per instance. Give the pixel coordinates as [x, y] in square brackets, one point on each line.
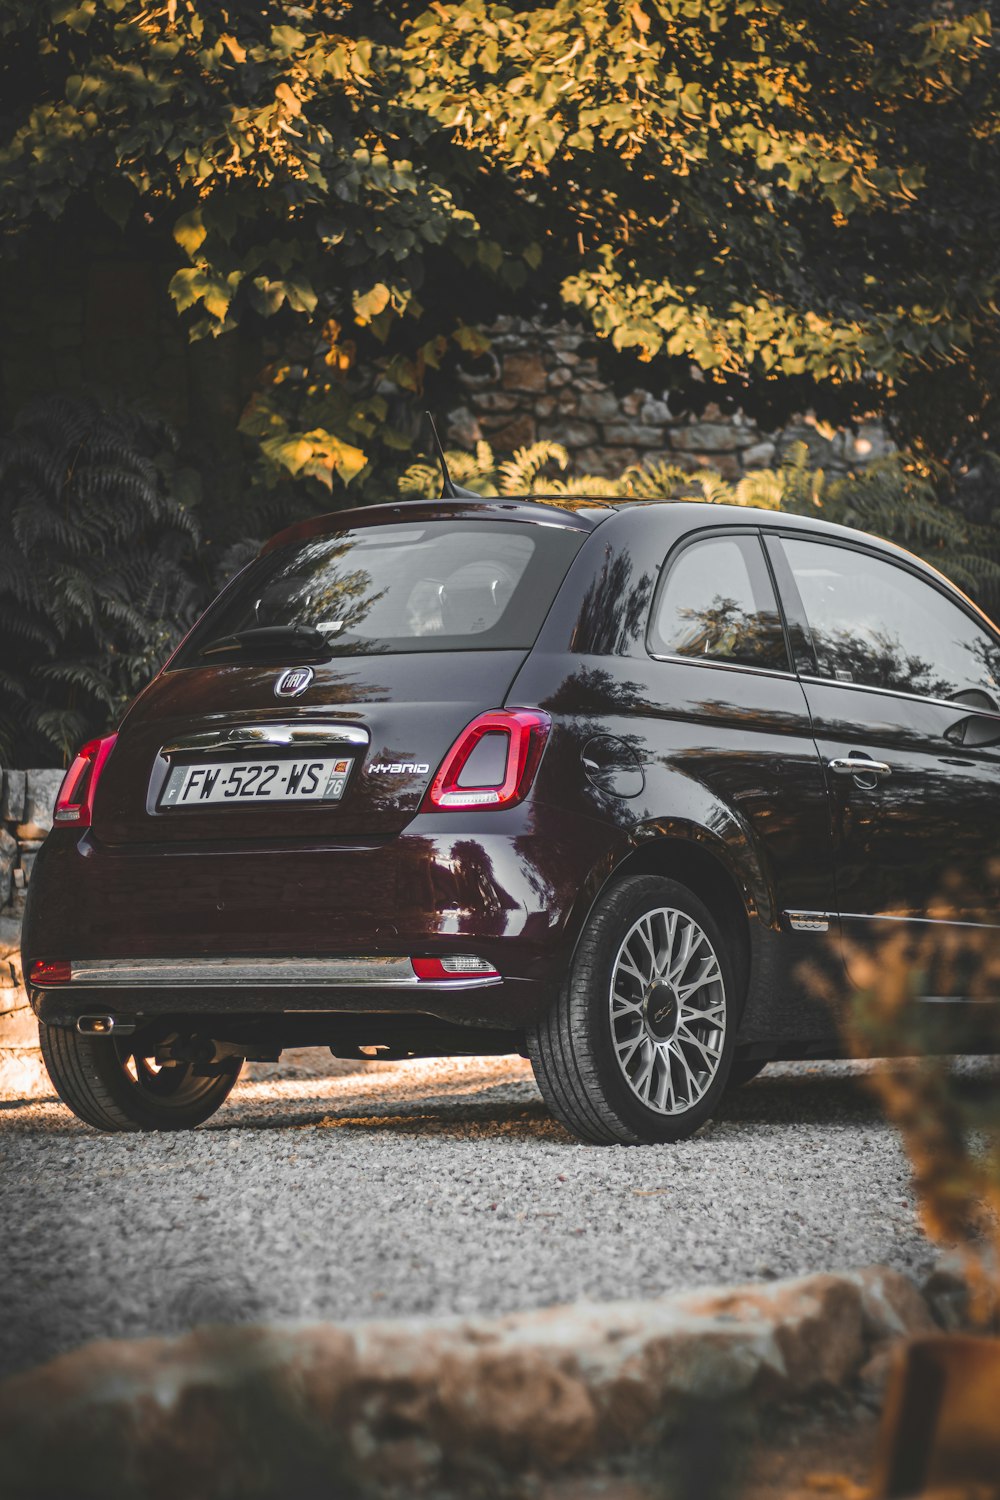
[50, 971]
[493, 761]
[75, 802]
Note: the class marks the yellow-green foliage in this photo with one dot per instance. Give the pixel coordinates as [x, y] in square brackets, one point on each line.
[949, 1119]
[799, 200]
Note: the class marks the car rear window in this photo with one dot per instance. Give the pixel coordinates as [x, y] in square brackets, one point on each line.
[418, 586]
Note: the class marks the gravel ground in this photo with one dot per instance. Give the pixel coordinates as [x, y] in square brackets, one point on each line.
[430, 1187]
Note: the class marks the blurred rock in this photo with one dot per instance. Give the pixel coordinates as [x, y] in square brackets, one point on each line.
[12, 797]
[23, 1076]
[18, 1028]
[759, 456]
[946, 1292]
[41, 788]
[523, 372]
[707, 437]
[10, 937]
[8, 859]
[422, 1401]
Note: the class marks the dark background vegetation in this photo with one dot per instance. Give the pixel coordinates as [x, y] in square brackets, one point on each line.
[244, 245]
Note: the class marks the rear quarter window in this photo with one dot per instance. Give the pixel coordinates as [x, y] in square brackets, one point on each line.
[716, 603]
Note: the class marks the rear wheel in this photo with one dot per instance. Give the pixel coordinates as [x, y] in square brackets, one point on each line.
[638, 1044]
[109, 1084]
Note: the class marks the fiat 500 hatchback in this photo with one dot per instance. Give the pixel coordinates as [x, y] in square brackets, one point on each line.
[606, 785]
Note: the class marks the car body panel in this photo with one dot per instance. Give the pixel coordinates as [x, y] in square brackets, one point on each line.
[410, 706]
[651, 764]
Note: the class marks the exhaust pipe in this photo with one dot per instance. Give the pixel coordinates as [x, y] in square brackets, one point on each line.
[103, 1025]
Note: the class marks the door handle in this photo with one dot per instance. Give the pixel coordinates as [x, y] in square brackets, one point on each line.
[857, 765]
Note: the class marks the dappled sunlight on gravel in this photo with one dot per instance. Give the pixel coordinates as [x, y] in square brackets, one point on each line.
[435, 1187]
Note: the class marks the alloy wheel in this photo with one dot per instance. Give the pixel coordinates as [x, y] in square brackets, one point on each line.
[667, 1005]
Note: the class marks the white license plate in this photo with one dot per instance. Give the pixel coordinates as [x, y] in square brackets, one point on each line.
[321, 779]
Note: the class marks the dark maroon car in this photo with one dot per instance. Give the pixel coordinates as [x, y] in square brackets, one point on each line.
[605, 784]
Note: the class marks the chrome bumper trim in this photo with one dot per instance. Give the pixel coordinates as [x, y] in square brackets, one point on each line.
[267, 736]
[200, 973]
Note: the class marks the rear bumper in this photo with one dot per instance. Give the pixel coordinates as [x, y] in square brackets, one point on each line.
[294, 928]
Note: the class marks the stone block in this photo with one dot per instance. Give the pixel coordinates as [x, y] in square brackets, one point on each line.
[27, 860]
[18, 1028]
[462, 429]
[506, 435]
[726, 465]
[632, 434]
[871, 441]
[707, 437]
[606, 463]
[401, 1405]
[759, 456]
[491, 401]
[12, 797]
[22, 1074]
[544, 407]
[570, 434]
[8, 859]
[10, 938]
[523, 372]
[654, 413]
[600, 406]
[41, 788]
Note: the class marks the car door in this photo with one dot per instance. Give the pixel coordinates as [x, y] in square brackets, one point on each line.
[901, 677]
[735, 719]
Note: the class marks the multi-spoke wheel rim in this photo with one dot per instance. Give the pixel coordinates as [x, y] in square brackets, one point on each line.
[668, 1011]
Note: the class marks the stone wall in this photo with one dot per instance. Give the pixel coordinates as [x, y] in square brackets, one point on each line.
[543, 383]
[27, 799]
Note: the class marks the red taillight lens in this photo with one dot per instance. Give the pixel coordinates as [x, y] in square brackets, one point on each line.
[75, 802]
[525, 731]
[50, 971]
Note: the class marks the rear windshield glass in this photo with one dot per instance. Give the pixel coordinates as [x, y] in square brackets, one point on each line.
[420, 586]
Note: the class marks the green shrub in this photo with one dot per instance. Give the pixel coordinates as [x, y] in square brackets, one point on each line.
[97, 571]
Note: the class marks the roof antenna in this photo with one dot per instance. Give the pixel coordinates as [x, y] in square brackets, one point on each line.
[449, 489]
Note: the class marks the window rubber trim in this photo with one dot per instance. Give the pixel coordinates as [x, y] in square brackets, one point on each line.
[778, 535]
[712, 533]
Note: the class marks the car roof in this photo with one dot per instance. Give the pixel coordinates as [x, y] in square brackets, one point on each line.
[588, 512]
[575, 512]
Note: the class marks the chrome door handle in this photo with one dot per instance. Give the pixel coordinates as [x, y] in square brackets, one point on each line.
[855, 765]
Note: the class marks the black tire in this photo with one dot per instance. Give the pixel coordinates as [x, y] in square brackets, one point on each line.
[745, 1070]
[572, 1045]
[92, 1077]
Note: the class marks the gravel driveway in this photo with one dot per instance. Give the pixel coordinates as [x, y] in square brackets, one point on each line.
[430, 1187]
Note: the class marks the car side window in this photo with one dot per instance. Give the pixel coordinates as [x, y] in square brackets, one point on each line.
[875, 623]
[717, 603]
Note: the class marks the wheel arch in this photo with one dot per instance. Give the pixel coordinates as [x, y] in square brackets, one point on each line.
[695, 863]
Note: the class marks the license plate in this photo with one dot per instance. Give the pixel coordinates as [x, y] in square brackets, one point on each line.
[322, 779]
